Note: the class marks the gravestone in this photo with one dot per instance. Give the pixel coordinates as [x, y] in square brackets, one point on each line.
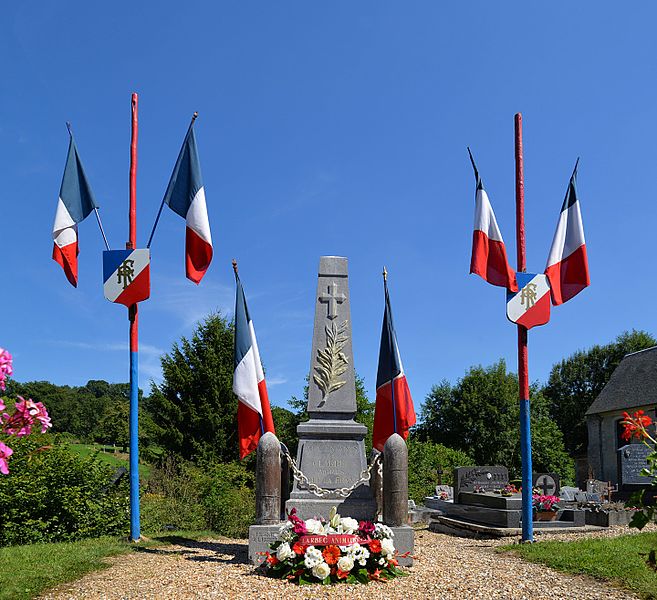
[331, 452]
[581, 497]
[445, 489]
[567, 493]
[548, 483]
[596, 486]
[485, 478]
[632, 459]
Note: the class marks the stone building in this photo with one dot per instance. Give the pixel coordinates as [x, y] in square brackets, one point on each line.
[632, 386]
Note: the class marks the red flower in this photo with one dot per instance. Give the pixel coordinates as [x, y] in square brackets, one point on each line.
[342, 574]
[331, 554]
[299, 548]
[367, 527]
[635, 425]
[272, 560]
[376, 575]
[393, 561]
[375, 546]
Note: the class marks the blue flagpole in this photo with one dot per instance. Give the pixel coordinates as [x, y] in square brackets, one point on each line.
[133, 316]
[523, 370]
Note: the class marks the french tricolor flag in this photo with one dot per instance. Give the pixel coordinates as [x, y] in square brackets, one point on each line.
[254, 416]
[186, 196]
[75, 203]
[568, 265]
[394, 411]
[489, 259]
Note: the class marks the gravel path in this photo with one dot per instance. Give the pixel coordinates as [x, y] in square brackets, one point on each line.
[446, 567]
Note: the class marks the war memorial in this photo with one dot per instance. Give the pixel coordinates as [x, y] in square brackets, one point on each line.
[152, 447]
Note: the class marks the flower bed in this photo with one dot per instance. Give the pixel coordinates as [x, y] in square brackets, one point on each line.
[339, 550]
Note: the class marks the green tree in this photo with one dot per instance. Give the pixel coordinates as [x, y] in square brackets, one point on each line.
[480, 415]
[195, 407]
[426, 458]
[576, 381]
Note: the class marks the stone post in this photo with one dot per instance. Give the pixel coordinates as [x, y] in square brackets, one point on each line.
[285, 485]
[376, 483]
[395, 481]
[268, 480]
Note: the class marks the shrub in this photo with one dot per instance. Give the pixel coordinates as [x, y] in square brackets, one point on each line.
[425, 458]
[217, 496]
[171, 498]
[229, 499]
[53, 494]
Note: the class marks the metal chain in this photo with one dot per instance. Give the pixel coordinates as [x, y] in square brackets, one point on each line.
[320, 492]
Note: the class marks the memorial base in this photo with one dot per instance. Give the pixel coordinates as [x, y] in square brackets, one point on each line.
[404, 542]
[260, 536]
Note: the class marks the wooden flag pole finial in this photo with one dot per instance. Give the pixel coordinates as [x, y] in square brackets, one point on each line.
[235, 266]
[195, 116]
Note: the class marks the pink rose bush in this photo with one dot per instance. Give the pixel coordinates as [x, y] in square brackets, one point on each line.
[26, 414]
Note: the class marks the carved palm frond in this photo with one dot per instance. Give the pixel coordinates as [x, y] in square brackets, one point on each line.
[331, 360]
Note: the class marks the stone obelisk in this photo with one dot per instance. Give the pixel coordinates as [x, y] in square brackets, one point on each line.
[331, 451]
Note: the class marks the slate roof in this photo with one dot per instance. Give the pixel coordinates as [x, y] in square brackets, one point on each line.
[632, 384]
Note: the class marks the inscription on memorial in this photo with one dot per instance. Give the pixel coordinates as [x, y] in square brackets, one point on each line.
[632, 460]
[328, 465]
[483, 478]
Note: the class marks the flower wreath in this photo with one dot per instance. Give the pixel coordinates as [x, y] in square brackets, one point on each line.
[341, 549]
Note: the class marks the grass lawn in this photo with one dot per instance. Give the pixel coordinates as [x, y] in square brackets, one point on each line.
[26, 571]
[617, 559]
[108, 457]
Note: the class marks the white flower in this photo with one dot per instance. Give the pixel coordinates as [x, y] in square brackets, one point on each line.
[382, 561]
[285, 533]
[312, 557]
[284, 551]
[358, 553]
[349, 525]
[387, 547]
[321, 570]
[382, 532]
[345, 563]
[313, 526]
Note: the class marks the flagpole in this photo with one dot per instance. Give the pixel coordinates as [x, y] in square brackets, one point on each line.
[133, 316]
[392, 355]
[523, 370]
[237, 280]
[159, 212]
[100, 224]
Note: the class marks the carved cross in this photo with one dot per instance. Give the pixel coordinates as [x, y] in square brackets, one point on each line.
[332, 298]
[547, 486]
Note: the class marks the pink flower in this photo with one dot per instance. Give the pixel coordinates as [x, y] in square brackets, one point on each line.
[367, 527]
[2, 406]
[5, 453]
[5, 367]
[42, 416]
[20, 423]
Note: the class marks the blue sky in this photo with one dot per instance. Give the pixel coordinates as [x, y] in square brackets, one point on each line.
[327, 128]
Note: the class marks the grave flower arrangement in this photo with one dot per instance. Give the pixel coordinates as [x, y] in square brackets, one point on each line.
[508, 490]
[341, 549]
[543, 503]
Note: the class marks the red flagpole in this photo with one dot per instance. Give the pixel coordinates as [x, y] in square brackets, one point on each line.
[523, 369]
[134, 339]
